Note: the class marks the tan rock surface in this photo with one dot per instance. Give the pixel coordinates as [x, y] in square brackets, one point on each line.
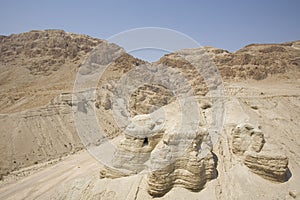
[264, 160]
[37, 72]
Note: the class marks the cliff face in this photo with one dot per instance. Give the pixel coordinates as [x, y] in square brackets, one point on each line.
[37, 74]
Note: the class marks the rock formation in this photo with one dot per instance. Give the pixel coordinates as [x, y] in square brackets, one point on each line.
[268, 165]
[264, 160]
[37, 74]
[173, 165]
[257, 61]
[247, 138]
[170, 153]
[133, 151]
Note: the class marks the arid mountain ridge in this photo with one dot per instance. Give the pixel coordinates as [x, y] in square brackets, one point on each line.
[37, 74]
[29, 60]
[37, 66]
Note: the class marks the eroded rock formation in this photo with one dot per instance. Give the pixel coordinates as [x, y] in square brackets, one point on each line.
[177, 163]
[263, 159]
[170, 153]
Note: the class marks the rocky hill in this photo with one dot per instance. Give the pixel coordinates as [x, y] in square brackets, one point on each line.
[39, 65]
[258, 141]
[37, 70]
[255, 61]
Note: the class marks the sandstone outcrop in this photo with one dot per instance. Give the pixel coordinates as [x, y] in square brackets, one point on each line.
[263, 159]
[245, 137]
[148, 98]
[133, 151]
[268, 165]
[170, 153]
[173, 165]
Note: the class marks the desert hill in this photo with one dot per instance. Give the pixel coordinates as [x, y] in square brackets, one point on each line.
[261, 100]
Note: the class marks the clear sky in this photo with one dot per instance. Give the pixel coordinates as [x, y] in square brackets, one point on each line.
[225, 24]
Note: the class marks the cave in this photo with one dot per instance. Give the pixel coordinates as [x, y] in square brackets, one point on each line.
[146, 142]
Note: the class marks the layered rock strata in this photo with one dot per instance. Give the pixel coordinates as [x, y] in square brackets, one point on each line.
[171, 155]
[260, 157]
[171, 167]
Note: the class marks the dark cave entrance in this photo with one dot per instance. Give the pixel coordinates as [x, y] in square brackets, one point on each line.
[146, 142]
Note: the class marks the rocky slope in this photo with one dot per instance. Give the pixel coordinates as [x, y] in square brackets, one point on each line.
[37, 74]
[39, 65]
[258, 61]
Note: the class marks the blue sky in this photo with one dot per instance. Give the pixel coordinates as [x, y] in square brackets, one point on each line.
[225, 24]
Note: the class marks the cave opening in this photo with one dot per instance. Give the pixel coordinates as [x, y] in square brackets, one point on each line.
[146, 142]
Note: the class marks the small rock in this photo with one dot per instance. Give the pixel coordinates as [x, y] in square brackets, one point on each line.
[254, 107]
[205, 105]
[293, 194]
